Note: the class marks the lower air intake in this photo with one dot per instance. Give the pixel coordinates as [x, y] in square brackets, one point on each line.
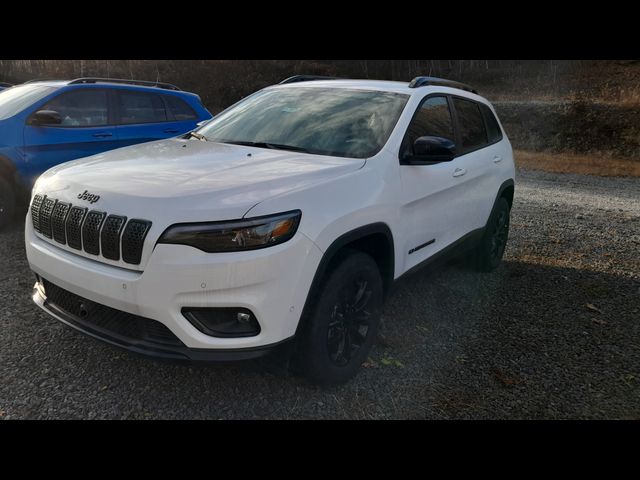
[109, 321]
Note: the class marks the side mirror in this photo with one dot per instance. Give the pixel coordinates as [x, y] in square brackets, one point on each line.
[428, 150]
[45, 117]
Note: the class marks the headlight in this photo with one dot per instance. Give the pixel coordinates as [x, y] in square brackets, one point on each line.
[237, 235]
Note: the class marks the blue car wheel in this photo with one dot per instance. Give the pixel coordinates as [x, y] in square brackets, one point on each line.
[7, 203]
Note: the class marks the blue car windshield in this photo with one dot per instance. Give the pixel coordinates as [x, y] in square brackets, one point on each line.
[325, 121]
[14, 100]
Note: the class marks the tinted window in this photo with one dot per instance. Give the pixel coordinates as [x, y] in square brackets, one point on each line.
[139, 107]
[81, 108]
[433, 118]
[325, 121]
[16, 99]
[472, 131]
[179, 108]
[493, 129]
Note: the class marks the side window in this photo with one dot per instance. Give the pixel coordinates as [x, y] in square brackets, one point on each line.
[179, 108]
[81, 108]
[472, 132]
[493, 129]
[140, 107]
[433, 118]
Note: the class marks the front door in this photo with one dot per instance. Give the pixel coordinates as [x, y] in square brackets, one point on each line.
[86, 129]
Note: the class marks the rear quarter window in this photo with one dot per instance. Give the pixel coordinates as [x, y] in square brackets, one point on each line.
[494, 133]
[473, 134]
[179, 109]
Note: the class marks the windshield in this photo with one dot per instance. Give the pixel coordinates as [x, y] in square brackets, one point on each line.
[14, 100]
[325, 121]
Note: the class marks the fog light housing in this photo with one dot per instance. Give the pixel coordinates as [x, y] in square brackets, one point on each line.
[223, 322]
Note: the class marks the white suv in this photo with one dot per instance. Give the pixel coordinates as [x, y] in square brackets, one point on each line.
[289, 215]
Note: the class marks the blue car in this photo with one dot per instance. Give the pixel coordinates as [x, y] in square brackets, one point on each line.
[44, 123]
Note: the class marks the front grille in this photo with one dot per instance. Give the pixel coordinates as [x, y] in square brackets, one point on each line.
[107, 320]
[58, 219]
[45, 216]
[91, 232]
[133, 240]
[95, 232]
[74, 227]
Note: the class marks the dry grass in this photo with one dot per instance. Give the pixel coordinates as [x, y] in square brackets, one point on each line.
[572, 163]
[622, 97]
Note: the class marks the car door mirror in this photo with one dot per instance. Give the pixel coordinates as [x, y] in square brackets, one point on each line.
[429, 150]
[45, 117]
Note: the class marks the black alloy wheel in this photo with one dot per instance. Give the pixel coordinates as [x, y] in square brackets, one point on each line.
[489, 252]
[342, 324]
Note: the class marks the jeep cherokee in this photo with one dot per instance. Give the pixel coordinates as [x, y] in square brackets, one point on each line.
[286, 217]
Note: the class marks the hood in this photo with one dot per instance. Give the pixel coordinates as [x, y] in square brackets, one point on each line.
[180, 180]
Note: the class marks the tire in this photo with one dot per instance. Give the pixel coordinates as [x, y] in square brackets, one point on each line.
[7, 202]
[488, 254]
[337, 337]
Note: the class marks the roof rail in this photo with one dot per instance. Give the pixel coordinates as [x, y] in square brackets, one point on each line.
[442, 82]
[144, 83]
[305, 78]
[35, 80]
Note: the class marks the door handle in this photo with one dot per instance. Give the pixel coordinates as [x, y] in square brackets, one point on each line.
[171, 130]
[103, 135]
[458, 172]
[497, 159]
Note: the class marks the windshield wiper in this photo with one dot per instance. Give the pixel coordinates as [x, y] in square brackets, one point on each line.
[272, 146]
[197, 135]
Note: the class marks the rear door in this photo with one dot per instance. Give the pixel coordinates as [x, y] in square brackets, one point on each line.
[476, 165]
[87, 128]
[147, 116]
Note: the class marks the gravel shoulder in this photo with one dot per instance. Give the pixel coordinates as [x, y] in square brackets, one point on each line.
[553, 333]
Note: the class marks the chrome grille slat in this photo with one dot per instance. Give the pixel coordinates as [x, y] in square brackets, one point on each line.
[91, 232]
[35, 211]
[58, 219]
[48, 204]
[74, 227]
[133, 240]
[110, 236]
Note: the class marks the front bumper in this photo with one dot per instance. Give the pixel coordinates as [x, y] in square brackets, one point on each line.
[140, 335]
[273, 283]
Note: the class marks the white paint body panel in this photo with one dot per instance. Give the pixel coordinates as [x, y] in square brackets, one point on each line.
[178, 181]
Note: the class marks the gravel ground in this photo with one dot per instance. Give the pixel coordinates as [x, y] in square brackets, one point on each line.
[553, 333]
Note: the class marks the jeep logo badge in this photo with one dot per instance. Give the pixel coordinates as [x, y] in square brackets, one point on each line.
[89, 197]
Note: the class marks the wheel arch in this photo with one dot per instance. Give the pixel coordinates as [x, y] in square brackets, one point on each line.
[10, 171]
[7, 168]
[374, 239]
[506, 190]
